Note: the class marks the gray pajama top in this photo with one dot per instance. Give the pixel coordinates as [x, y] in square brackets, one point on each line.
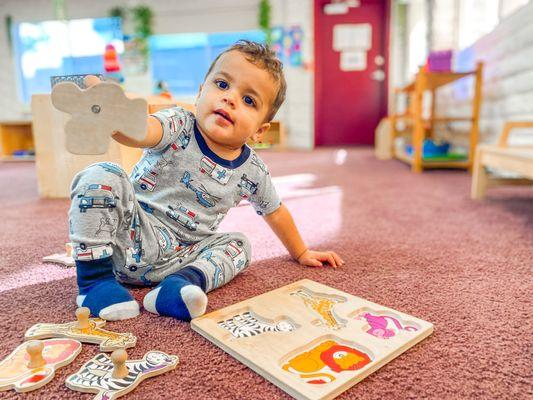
[189, 188]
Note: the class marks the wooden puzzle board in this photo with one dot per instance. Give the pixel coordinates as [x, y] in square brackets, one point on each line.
[336, 339]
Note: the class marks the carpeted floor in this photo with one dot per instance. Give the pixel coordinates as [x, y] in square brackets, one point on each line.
[415, 243]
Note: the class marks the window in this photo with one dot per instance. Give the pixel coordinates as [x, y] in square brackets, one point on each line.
[48, 48]
[182, 60]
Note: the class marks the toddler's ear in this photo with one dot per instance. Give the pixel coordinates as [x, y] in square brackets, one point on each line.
[257, 136]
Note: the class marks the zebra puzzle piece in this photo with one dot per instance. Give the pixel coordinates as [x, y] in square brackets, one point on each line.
[33, 364]
[86, 330]
[97, 112]
[112, 376]
[311, 340]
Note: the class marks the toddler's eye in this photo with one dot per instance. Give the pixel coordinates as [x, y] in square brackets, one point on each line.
[248, 100]
[222, 84]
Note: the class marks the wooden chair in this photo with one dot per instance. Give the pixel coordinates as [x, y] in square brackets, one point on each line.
[516, 159]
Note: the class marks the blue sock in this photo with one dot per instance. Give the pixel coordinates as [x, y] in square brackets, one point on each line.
[101, 293]
[180, 295]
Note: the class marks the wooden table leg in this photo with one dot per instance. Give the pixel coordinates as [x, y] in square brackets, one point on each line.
[480, 176]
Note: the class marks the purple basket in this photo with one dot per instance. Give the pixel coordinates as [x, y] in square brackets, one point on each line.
[440, 61]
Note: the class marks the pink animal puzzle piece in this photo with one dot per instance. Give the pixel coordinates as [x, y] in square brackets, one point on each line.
[384, 326]
[97, 112]
[33, 364]
[112, 376]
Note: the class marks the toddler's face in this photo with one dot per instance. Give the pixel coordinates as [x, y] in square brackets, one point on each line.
[234, 101]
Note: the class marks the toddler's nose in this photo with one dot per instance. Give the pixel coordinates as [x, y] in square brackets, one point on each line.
[229, 99]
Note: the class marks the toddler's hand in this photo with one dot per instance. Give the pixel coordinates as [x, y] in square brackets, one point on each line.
[91, 80]
[312, 258]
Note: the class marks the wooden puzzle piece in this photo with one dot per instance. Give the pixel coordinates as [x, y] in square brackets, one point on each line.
[33, 364]
[384, 325]
[322, 305]
[97, 112]
[247, 325]
[324, 362]
[61, 259]
[113, 376]
[86, 330]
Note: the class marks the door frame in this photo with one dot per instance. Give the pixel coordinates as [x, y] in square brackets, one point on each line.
[318, 77]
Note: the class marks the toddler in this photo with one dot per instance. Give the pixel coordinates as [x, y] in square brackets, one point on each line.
[158, 227]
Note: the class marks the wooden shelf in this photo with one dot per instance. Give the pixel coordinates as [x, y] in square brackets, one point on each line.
[428, 163]
[425, 127]
[16, 135]
[17, 158]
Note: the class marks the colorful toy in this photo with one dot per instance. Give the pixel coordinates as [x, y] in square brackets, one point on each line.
[33, 364]
[113, 376]
[384, 326]
[311, 340]
[112, 65]
[86, 330]
[97, 112]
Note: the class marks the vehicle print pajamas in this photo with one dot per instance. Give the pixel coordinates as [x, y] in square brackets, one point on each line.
[164, 217]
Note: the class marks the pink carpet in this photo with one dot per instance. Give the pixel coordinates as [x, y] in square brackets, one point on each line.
[415, 243]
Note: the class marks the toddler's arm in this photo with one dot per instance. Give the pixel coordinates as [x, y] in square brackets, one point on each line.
[282, 223]
[154, 131]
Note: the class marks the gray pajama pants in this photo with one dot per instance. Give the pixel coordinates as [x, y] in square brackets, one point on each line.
[106, 220]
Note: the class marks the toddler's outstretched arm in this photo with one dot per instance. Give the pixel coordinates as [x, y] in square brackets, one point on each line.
[282, 223]
[154, 131]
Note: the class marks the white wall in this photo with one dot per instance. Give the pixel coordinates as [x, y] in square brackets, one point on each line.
[178, 17]
[507, 52]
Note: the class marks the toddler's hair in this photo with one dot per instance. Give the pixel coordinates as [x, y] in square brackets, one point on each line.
[262, 56]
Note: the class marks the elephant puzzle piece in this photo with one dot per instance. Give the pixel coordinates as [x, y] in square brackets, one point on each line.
[86, 330]
[113, 376]
[97, 112]
[33, 364]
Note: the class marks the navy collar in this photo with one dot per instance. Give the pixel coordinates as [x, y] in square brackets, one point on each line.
[245, 153]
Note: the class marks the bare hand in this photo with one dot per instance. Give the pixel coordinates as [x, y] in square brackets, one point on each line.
[91, 80]
[312, 258]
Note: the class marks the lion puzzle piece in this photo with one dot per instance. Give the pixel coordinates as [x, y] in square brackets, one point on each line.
[33, 364]
[112, 376]
[86, 330]
[97, 112]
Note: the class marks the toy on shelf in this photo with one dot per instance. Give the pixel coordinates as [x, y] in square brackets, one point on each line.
[86, 330]
[111, 64]
[96, 113]
[33, 364]
[113, 376]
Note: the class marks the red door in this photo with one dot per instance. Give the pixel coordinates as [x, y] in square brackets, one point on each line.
[350, 71]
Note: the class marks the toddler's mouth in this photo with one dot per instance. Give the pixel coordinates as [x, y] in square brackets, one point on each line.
[224, 115]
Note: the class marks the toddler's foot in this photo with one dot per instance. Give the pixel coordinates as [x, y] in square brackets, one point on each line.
[101, 293]
[176, 297]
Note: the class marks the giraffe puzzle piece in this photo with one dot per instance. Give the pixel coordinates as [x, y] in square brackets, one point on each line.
[97, 112]
[112, 376]
[33, 364]
[322, 305]
[86, 330]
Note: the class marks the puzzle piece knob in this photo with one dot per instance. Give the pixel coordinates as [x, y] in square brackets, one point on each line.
[35, 351]
[120, 370]
[82, 314]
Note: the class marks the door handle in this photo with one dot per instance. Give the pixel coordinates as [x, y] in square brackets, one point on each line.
[378, 75]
